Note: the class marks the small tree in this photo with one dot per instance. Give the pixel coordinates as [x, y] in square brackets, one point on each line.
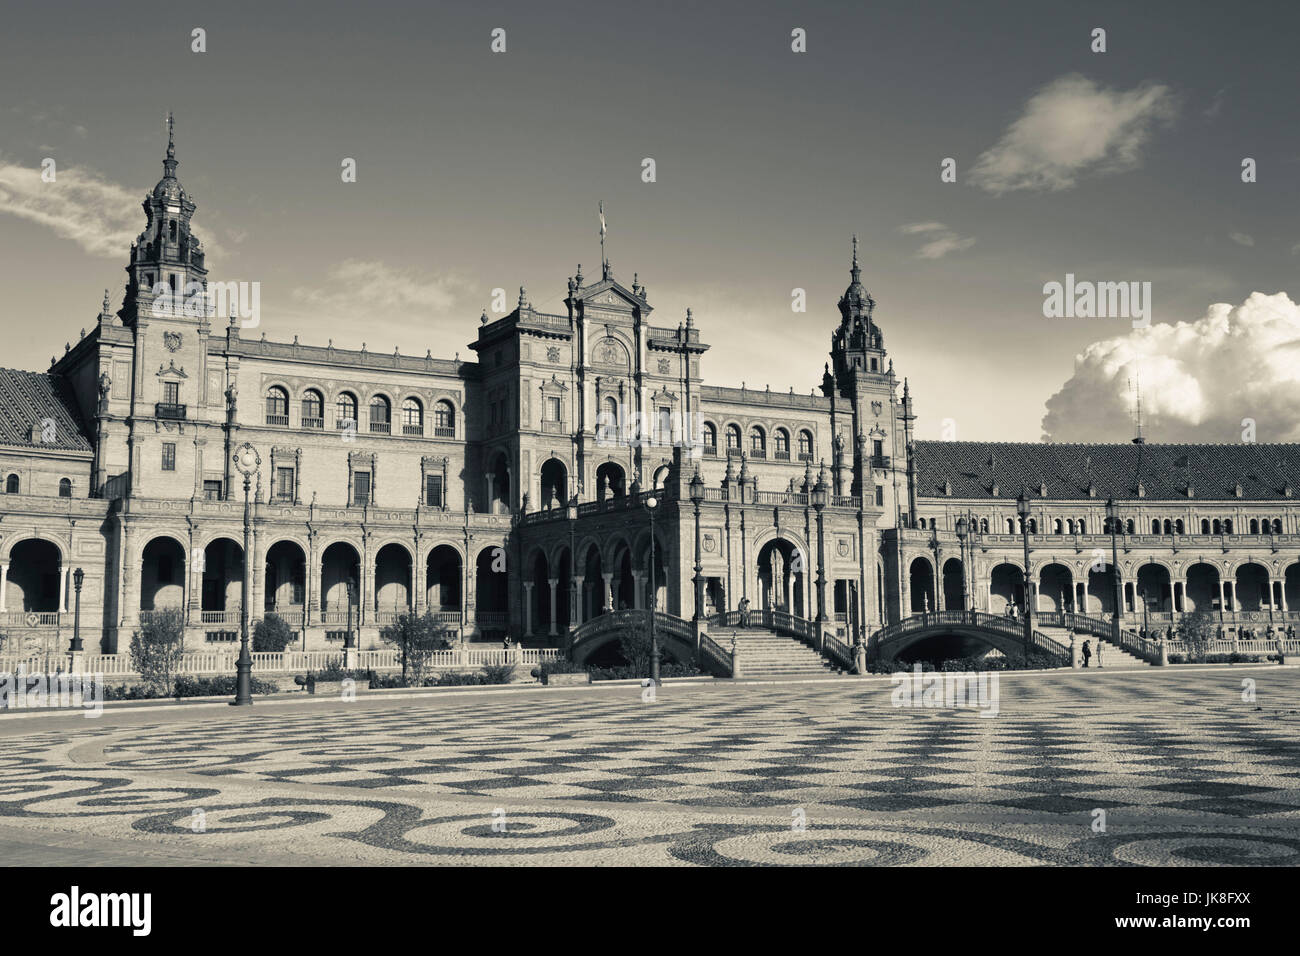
[272, 634]
[1199, 629]
[634, 642]
[156, 649]
[416, 638]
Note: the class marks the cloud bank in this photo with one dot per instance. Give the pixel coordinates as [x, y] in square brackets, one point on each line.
[1199, 379]
[1069, 127]
[100, 216]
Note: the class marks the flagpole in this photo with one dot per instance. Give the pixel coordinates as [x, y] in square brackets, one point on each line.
[604, 263]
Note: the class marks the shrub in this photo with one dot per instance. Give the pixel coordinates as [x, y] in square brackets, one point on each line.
[219, 686]
[498, 673]
[156, 649]
[561, 666]
[272, 634]
[628, 671]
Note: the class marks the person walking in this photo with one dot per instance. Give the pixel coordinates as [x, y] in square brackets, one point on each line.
[744, 612]
[1087, 653]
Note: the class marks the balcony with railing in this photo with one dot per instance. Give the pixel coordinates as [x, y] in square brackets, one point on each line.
[444, 431]
[711, 450]
[169, 410]
[758, 453]
[415, 430]
[380, 428]
[281, 421]
[780, 455]
[313, 423]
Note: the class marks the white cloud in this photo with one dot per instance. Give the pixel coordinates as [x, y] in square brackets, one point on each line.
[1241, 239]
[1199, 379]
[1069, 127]
[941, 239]
[100, 216]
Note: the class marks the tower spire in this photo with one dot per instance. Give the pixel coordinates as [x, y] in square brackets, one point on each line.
[855, 271]
[170, 163]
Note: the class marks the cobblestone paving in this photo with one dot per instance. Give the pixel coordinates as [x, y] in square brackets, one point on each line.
[717, 774]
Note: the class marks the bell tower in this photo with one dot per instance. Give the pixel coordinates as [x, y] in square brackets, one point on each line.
[870, 444]
[167, 257]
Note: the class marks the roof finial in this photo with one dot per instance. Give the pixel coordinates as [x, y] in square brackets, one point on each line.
[855, 271]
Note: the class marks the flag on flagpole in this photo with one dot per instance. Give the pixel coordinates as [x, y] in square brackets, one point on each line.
[602, 219]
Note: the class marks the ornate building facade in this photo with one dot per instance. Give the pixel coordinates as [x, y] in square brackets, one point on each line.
[525, 492]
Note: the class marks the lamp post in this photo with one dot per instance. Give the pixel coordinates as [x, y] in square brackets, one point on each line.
[571, 512]
[651, 504]
[697, 495]
[819, 504]
[1022, 509]
[961, 540]
[1112, 516]
[74, 652]
[247, 463]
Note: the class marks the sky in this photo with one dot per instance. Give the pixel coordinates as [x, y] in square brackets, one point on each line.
[479, 170]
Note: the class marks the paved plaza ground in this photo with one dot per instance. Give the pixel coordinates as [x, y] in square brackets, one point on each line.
[715, 773]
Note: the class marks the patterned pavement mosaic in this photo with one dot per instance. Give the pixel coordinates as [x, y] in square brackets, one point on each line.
[825, 772]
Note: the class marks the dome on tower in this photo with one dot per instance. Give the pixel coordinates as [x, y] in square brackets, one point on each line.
[856, 304]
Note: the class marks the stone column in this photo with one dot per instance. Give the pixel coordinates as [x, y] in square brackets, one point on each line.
[313, 584]
[63, 587]
[528, 608]
[608, 598]
[638, 589]
[130, 611]
[576, 600]
[554, 583]
[4, 581]
[415, 602]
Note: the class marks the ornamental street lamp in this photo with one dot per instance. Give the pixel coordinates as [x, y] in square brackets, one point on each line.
[651, 504]
[697, 495]
[247, 463]
[1112, 516]
[1022, 509]
[819, 495]
[78, 578]
[961, 540]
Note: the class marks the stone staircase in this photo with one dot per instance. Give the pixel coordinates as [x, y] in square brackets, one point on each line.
[765, 654]
[1112, 656]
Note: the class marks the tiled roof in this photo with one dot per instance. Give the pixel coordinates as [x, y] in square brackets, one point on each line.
[1264, 471]
[27, 399]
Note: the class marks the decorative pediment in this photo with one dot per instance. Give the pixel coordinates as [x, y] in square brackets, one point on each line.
[611, 294]
[171, 369]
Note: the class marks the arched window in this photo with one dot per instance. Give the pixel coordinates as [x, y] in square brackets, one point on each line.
[1069, 525]
[1033, 526]
[1155, 525]
[733, 439]
[1205, 526]
[710, 438]
[11, 485]
[444, 420]
[380, 415]
[277, 406]
[1254, 526]
[1169, 526]
[1217, 526]
[65, 488]
[1082, 526]
[984, 525]
[1227, 525]
[805, 446]
[345, 411]
[757, 443]
[412, 417]
[1056, 526]
[313, 409]
[1011, 526]
[781, 440]
[1130, 526]
[1277, 525]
